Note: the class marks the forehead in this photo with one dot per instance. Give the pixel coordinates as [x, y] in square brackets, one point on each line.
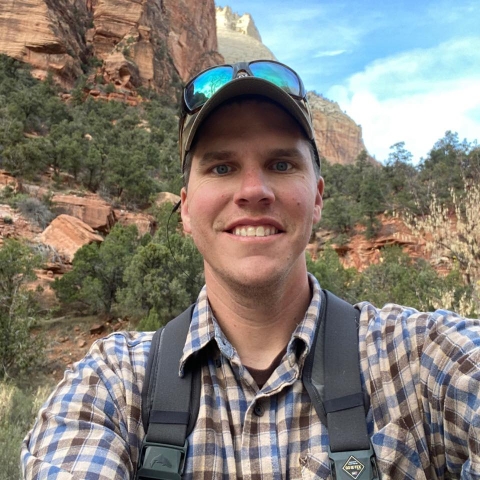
[247, 116]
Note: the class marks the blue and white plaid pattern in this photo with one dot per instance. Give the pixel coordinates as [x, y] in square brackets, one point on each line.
[421, 371]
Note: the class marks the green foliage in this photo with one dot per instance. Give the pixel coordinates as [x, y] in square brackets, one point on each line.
[36, 211]
[125, 153]
[97, 272]
[163, 278]
[110, 88]
[331, 274]
[18, 408]
[400, 279]
[19, 350]
[339, 214]
[401, 182]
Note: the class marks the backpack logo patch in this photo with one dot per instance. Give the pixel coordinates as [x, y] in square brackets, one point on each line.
[160, 459]
[353, 467]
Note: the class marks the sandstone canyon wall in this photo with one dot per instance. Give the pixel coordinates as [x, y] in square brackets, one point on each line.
[238, 37]
[153, 43]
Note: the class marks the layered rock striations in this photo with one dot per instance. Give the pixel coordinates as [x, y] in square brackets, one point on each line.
[338, 137]
[150, 43]
[131, 43]
[238, 37]
[47, 34]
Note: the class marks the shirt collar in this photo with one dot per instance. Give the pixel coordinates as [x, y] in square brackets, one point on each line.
[204, 328]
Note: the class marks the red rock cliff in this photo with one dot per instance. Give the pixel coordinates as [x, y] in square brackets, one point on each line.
[155, 43]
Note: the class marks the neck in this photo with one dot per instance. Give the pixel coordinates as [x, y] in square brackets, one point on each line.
[259, 322]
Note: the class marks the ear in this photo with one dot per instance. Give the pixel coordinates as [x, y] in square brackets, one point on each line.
[317, 212]
[184, 211]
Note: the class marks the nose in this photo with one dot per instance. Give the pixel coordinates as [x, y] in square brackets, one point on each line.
[254, 188]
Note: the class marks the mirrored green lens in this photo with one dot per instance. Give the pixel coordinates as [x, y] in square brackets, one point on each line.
[205, 85]
[278, 75]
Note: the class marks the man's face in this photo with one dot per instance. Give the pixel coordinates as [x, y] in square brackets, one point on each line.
[252, 196]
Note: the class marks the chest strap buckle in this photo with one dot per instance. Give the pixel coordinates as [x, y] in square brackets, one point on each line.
[353, 465]
[161, 462]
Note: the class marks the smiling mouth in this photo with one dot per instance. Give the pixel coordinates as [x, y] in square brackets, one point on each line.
[254, 231]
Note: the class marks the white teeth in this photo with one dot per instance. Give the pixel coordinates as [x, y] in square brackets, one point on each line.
[251, 231]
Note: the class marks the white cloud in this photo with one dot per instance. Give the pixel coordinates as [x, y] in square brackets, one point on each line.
[415, 97]
[329, 53]
[311, 29]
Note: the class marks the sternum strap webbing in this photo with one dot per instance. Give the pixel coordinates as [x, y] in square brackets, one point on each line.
[171, 404]
[343, 400]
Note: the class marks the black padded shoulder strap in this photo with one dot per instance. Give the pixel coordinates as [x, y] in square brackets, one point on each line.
[170, 403]
[332, 375]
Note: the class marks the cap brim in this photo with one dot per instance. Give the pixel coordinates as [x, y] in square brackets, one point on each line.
[245, 86]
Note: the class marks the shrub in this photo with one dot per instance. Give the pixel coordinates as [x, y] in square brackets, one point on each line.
[163, 278]
[18, 408]
[332, 275]
[19, 350]
[36, 211]
[400, 279]
[98, 270]
[110, 88]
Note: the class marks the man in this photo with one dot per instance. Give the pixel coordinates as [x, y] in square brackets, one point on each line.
[252, 193]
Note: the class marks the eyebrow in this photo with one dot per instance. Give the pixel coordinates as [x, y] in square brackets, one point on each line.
[226, 155]
[285, 153]
[215, 156]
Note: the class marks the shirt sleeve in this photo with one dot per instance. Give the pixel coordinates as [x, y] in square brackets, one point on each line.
[450, 373]
[90, 428]
[422, 372]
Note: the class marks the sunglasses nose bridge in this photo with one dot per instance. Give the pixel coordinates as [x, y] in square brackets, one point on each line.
[241, 69]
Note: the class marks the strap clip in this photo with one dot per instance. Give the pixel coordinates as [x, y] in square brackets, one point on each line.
[161, 462]
[358, 464]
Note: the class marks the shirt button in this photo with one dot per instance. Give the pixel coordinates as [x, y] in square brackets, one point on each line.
[258, 410]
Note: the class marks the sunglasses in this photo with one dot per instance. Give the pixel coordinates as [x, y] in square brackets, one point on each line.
[202, 87]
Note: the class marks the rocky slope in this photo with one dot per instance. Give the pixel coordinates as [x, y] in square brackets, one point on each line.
[238, 37]
[153, 43]
[338, 137]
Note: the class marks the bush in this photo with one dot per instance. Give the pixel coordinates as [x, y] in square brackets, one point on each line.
[163, 278]
[18, 408]
[332, 275]
[401, 279]
[97, 271]
[36, 211]
[19, 350]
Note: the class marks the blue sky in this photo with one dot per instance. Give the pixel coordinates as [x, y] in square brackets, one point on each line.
[404, 70]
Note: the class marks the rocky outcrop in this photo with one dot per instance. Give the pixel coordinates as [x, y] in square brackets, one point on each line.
[360, 252]
[338, 137]
[90, 209]
[238, 37]
[131, 43]
[68, 234]
[48, 35]
[144, 223]
[14, 225]
[166, 197]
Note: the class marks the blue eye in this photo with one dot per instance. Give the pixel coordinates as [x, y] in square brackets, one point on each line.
[222, 169]
[282, 166]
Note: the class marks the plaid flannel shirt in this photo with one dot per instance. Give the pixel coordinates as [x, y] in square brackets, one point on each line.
[420, 370]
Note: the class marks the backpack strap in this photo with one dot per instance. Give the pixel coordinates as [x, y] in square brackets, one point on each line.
[170, 403]
[332, 374]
